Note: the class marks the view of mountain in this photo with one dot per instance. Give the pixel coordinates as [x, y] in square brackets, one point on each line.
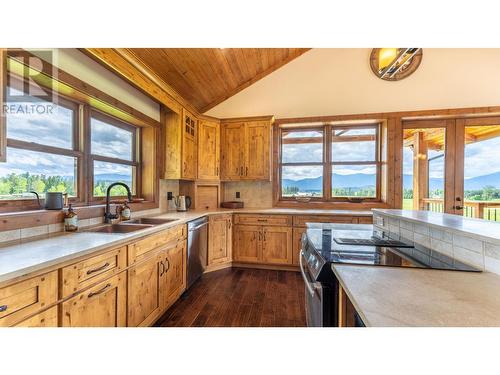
[112, 177]
[361, 180]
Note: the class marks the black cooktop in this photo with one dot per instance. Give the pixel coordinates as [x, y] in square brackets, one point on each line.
[323, 240]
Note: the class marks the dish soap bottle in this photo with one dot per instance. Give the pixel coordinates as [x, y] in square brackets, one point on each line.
[125, 212]
[70, 220]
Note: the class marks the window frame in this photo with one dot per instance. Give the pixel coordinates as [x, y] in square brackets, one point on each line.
[134, 163]
[327, 163]
[81, 150]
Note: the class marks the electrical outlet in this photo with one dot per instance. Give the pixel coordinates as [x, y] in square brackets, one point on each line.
[238, 194]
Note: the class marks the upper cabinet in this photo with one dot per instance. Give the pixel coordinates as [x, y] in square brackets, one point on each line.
[181, 132]
[246, 150]
[208, 150]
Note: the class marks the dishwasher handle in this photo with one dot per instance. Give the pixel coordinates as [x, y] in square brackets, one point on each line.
[198, 227]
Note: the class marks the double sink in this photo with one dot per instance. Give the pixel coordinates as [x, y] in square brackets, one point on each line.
[131, 225]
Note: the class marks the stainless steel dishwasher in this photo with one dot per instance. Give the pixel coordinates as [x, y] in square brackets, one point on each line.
[197, 247]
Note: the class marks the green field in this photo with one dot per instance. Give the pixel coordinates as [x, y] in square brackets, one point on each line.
[407, 204]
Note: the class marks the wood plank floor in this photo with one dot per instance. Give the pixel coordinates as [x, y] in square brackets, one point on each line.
[238, 297]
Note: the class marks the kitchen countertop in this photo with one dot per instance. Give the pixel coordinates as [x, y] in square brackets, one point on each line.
[476, 228]
[30, 256]
[396, 297]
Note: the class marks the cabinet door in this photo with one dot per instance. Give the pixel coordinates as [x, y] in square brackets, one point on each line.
[189, 148]
[257, 151]
[277, 245]
[143, 293]
[104, 305]
[47, 318]
[232, 150]
[208, 150]
[297, 244]
[219, 239]
[247, 243]
[173, 274]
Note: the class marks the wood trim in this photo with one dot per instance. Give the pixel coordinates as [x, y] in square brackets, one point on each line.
[254, 79]
[269, 118]
[3, 87]
[71, 86]
[431, 114]
[128, 68]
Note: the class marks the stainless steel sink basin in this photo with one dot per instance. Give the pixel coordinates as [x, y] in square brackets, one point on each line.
[147, 221]
[119, 228]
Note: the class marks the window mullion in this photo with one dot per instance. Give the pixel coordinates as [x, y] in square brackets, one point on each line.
[327, 170]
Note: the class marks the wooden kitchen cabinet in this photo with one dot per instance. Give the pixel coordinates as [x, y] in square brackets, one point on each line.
[181, 153]
[246, 150]
[247, 244]
[25, 298]
[104, 305]
[297, 244]
[47, 318]
[208, 150]
[219, 239]
[144, 303]
[232, 151]
[173, 275]
[277, 245]
[262, 244]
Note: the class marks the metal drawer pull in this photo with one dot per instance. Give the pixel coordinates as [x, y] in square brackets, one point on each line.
[92, 294]
[162, 269]
[168, 264]
[3, 308]
[261, 219]
[98, 268]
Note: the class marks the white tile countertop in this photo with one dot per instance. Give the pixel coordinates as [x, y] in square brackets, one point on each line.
[402, 297]
[476, 228]
[20, 259]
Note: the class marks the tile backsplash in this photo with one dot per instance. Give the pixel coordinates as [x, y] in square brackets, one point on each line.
[479, 253]
[254, 194]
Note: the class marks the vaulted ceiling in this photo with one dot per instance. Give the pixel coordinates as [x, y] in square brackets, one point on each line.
[206, 77]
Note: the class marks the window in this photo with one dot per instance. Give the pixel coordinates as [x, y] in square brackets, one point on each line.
[302, 163]
[113, 155]
[354, 162]
[329, 163]
[47, 150]
[42, 140]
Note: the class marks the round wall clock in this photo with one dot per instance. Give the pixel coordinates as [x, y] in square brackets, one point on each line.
[394, 64]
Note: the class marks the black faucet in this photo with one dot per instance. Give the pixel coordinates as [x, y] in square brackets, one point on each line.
[108, 216]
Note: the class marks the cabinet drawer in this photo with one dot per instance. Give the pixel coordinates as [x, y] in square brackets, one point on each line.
[25, 298]
[301, 220]
[280, 220]
[140, 249]
[365, 220]
[47, 318]
[92, 270]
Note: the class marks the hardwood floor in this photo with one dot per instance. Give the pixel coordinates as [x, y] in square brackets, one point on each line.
[238, 297]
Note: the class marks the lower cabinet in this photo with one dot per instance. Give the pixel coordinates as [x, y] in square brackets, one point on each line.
[219, 239]
[104, 305]
[144, 282]
[173, 280]
[47, 318]
[247, 244]
[153, 285]
[277, 245]
[260, 244]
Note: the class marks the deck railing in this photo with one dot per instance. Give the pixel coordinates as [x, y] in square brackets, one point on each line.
[478, 209]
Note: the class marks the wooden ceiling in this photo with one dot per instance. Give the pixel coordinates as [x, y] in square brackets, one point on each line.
[206, 77]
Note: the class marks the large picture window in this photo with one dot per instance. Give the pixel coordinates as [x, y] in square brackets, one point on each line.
[329, 163]
[52, 146]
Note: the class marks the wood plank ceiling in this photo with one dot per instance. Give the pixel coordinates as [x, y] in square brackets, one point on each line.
[206, 77]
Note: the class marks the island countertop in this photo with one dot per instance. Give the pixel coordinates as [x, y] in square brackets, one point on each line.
[402, 297]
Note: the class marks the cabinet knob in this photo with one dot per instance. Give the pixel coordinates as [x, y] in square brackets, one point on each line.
[3, 308]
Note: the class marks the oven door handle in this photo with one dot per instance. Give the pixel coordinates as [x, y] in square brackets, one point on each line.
[308, 283]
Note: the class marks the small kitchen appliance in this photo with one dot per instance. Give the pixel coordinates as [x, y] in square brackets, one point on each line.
[183, 203]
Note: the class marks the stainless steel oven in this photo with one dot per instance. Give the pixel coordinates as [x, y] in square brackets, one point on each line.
[318, 296]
